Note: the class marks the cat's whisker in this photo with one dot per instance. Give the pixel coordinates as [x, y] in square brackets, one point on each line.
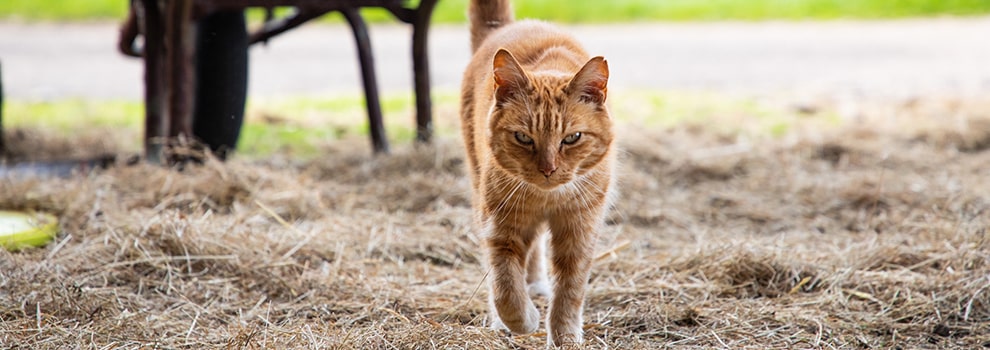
[582, 194]
[508, 197]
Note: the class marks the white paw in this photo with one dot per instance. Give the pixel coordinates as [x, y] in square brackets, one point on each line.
[528, 324]
[496, 323]
[574, 336]
[539, 288]
[532, 319]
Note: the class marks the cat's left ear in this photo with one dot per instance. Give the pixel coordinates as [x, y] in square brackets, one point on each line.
[510, 78]
[591, 82]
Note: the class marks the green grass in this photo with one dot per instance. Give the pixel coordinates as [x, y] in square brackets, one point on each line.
[299, 126]
[68, 114]
[305, 126]
[582, 11]
[62, 9]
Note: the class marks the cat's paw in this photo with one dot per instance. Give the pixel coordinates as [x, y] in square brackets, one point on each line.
[532, 319]
[496, 323]
[566, 338]
[525, 323]
[563, 331]
[539, 288]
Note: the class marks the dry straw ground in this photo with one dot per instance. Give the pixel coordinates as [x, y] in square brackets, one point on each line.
[869, 234]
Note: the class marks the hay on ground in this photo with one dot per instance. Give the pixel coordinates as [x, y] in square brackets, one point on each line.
[863, 236]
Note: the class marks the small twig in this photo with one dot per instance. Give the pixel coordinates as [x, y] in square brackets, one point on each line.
[720, 340]
[969, 305]
[478, 287]
[193, 325]
[612, 251]
[58, 247]
[37, 315]
[862, 295]
[800, 284]
[473, 293]
[395, 313]
[923, 263]
[268, 315]
[818, 336]
[258, 304]
[295, 248]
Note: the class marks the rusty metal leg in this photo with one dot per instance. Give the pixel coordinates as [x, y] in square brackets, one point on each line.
[180, 53]
[421, 71]
[155, 124]
[377, 127]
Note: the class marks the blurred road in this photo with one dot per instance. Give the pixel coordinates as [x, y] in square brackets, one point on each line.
[908, 57]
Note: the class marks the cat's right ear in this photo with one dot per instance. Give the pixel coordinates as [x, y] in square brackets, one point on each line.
[509, 76]
[591, 82]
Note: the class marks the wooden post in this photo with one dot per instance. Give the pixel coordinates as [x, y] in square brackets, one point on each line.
[180, 55]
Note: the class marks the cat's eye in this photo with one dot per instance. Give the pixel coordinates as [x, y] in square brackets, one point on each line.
[523, 138]
[572, 138]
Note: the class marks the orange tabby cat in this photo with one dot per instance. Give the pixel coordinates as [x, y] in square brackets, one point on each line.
[539, 144]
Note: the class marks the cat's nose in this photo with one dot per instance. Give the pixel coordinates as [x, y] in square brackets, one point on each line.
[548, 170]
[547, 164]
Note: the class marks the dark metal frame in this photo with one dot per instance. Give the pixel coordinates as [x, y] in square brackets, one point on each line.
[169, 58]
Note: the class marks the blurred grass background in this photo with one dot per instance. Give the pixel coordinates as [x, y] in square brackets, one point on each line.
[303, 126]
[300, 125]
[580, 11]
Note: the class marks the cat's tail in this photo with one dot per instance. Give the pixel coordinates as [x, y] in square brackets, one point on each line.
[486, 16]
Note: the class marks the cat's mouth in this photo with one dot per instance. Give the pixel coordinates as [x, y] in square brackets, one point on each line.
[547, 183]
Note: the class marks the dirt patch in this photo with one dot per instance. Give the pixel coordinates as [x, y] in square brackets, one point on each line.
[862, 236]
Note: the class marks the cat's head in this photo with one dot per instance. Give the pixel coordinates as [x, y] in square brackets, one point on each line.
[550, 128]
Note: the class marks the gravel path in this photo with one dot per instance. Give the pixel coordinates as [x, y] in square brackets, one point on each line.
[943, 56]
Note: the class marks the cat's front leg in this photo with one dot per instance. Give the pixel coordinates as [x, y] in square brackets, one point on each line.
[572, 243]
[536, 270]
[511, 306]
